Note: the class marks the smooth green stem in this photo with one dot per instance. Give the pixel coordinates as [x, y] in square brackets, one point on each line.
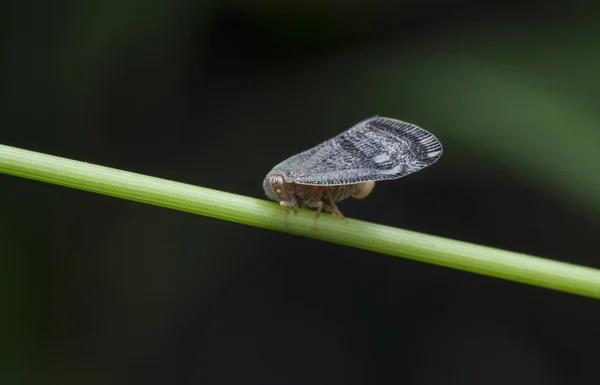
[236, 208]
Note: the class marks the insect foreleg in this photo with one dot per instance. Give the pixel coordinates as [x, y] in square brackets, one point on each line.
[286, 205]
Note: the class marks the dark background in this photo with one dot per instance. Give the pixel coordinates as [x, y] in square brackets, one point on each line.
[96, 290]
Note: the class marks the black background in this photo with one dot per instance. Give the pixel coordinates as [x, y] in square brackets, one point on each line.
[97, 290]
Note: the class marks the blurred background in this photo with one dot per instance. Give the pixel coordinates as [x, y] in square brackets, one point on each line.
[97, 290]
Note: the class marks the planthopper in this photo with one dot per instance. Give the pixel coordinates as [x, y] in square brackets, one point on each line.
[349, 164]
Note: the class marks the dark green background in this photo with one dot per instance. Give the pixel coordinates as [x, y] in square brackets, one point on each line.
[95, 290]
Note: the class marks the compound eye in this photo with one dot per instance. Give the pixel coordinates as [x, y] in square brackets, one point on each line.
[277, 181]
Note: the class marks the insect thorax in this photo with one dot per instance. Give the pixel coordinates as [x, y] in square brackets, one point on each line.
[279, 189]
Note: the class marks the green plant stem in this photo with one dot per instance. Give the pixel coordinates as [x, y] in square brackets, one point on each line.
[255, 212]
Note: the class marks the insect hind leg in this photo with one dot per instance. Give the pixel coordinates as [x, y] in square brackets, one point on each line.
[335, 211]
[332, 209]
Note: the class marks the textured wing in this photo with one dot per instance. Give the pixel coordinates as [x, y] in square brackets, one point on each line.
[375, 149]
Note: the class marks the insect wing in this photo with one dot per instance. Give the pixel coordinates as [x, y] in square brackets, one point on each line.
[375, 149]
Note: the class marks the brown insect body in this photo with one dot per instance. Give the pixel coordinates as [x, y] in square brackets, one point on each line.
[292, 195]
[349, 164]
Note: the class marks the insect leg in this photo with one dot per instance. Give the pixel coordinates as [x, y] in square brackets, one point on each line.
[286, 205]
[333, 208]
[315, 205]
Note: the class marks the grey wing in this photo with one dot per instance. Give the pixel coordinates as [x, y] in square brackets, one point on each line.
[375, 149]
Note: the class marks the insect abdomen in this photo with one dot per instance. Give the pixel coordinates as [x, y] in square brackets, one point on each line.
[334, 193]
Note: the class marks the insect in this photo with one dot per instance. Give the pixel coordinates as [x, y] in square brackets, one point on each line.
[349, 164]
